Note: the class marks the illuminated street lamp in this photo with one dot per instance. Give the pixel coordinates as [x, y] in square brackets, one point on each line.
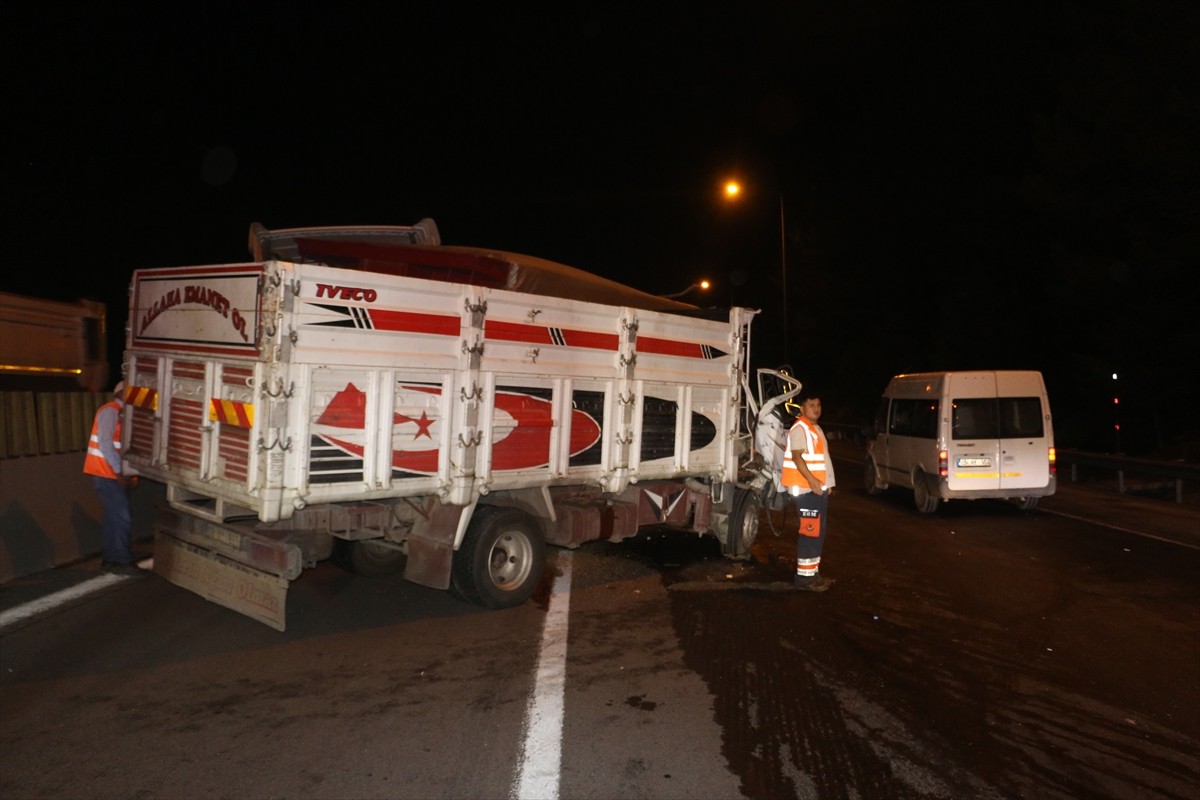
[1116, 412]
[703, 285]
[733, 191]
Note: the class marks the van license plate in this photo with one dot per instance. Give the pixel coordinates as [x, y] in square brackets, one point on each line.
[974, 462]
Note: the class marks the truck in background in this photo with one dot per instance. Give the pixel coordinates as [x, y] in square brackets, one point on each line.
[50, 345]
[964, 436]
[445, 412]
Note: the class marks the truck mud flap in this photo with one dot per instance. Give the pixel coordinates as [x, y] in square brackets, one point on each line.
[258, 595]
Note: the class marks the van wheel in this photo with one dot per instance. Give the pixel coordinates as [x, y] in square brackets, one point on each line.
[871, 479]
[501, 559]
[927, 502]
[743, 524]
[371, 558]
[1025, 503]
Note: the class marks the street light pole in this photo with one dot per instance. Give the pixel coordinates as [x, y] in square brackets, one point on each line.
[733, 190]
[783, 275]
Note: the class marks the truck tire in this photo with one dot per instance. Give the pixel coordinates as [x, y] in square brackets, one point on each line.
[370, 558]
[501, 559]
[743, 524]
[871, 478]
[927, 502]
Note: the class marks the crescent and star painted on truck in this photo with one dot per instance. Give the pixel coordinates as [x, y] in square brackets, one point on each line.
[521, 427]
[522, 422]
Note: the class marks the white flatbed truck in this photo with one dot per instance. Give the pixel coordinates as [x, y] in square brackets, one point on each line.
[445, 412]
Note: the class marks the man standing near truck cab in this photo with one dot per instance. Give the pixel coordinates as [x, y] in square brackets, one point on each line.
[807, 475]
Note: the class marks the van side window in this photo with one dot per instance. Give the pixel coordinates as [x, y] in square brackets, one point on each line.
[1020, 418]
[917, 418]
[974, 418]
[881, 416]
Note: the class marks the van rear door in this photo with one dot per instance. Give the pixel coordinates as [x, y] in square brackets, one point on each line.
[974, 446]
[1023, 417]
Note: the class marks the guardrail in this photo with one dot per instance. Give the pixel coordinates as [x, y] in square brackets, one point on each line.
[846, 432]
[1178, 472]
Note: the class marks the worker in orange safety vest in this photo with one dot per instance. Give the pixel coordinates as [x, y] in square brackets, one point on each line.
[807, 475]
[112, 483]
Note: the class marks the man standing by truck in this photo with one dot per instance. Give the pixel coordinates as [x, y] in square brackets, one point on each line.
[103, 464]
[807, 475]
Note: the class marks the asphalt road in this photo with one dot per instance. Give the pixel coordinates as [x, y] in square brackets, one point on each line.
[980, 652]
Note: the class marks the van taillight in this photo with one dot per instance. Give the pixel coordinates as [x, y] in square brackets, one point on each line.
[1053, 461]
[943, 463]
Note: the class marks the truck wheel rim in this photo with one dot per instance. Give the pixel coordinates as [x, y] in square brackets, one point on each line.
[508, 563]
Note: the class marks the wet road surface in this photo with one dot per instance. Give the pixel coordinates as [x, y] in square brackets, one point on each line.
[981, 652]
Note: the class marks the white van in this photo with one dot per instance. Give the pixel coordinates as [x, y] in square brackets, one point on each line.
[964, 435]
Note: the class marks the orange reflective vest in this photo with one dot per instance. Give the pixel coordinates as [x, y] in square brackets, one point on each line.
[814, 458]
[95, 463]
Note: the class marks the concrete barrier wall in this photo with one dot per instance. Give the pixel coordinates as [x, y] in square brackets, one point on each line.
[50, 516]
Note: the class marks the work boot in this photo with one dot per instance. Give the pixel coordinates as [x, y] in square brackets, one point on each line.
[817, 584]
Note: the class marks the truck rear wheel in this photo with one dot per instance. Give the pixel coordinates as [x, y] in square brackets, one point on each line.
[501, 559]
[927, 502]
[743, 524]
[371, 558]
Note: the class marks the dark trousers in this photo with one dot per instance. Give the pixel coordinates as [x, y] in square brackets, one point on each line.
[114, 532]
[813, 510]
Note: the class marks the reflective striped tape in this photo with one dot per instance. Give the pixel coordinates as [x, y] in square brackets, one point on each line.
[142, 397]
[230, 412]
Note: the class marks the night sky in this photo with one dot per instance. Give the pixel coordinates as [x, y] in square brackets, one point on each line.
[963, 185]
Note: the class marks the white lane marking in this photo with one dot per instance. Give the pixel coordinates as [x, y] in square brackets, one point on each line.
[59, 598]
[64, 596]
[541, 757]
[1120, 528]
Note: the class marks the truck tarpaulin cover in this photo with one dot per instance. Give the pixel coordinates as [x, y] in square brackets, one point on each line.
[417, 252]
[539, 276]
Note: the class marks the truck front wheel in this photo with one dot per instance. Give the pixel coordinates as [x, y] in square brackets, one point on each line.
[743, 524]
[501, 559]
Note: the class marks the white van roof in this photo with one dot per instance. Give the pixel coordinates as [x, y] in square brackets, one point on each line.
[1001, 382]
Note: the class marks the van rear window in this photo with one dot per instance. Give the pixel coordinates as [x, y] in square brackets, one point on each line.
[997, 418]
[1021, 418]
